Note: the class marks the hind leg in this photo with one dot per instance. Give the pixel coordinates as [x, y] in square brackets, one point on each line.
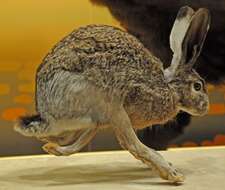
[63, 139]
[29, 126]
[81, 142]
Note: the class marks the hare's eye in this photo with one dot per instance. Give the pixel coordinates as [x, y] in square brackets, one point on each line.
[197, 86]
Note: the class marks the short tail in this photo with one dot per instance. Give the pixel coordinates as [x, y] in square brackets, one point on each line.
[32, 125]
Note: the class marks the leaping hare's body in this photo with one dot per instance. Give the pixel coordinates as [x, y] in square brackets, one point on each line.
[110, 60]
[100, 76]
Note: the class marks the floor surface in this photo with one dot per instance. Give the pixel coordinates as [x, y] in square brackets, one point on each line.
[204, 168]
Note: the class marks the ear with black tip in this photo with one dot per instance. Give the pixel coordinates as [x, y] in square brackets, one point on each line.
[177, 35]
[195, 36]
[187, 37]
[180, 28]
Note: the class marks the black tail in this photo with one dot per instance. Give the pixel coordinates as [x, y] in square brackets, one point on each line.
[30, 125]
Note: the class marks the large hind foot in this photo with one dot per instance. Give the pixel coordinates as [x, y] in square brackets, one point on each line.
[82, 141]
[54, 149]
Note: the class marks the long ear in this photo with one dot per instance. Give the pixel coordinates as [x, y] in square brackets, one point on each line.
[180, 28]
[187, 37]
[177, 35]
[195, 36]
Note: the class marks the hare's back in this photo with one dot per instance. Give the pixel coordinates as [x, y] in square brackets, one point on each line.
[98, 47]
[110, 58]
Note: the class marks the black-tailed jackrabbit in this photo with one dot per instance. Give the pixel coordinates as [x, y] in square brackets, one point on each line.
[100, 76]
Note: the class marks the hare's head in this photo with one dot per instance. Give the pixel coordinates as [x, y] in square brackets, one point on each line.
[186, 40]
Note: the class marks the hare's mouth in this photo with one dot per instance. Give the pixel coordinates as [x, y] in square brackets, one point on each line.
[200, 111]
[204, 105]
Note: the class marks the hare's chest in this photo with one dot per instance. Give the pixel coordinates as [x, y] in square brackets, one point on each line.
[146, 107]
[139, 121]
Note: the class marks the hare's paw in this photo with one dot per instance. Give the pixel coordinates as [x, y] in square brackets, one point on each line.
[51, 148]
[55, 149]
[171, 174]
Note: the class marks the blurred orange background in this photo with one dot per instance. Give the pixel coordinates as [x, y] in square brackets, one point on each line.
[29, 29]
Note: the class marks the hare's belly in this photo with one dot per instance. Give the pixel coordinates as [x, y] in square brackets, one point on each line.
[61, 97]
[70, 100]
[73, 124]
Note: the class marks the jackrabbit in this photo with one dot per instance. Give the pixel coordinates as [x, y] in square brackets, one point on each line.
[100, 76]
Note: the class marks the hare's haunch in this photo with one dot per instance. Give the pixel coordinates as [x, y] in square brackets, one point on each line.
[100, 76]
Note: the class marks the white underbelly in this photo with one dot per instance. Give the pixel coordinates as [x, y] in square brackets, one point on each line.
[75, 125]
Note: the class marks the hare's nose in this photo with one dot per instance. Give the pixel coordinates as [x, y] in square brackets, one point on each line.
[204, 105]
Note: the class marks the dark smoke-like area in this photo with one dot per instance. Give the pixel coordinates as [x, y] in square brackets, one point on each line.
[151, 22]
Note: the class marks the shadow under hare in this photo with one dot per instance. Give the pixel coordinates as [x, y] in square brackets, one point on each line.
[100, 76]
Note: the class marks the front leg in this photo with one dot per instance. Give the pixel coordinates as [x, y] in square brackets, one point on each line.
[84, 138]
[127, 137]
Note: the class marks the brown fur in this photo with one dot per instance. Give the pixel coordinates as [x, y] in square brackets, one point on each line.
[101, 76]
